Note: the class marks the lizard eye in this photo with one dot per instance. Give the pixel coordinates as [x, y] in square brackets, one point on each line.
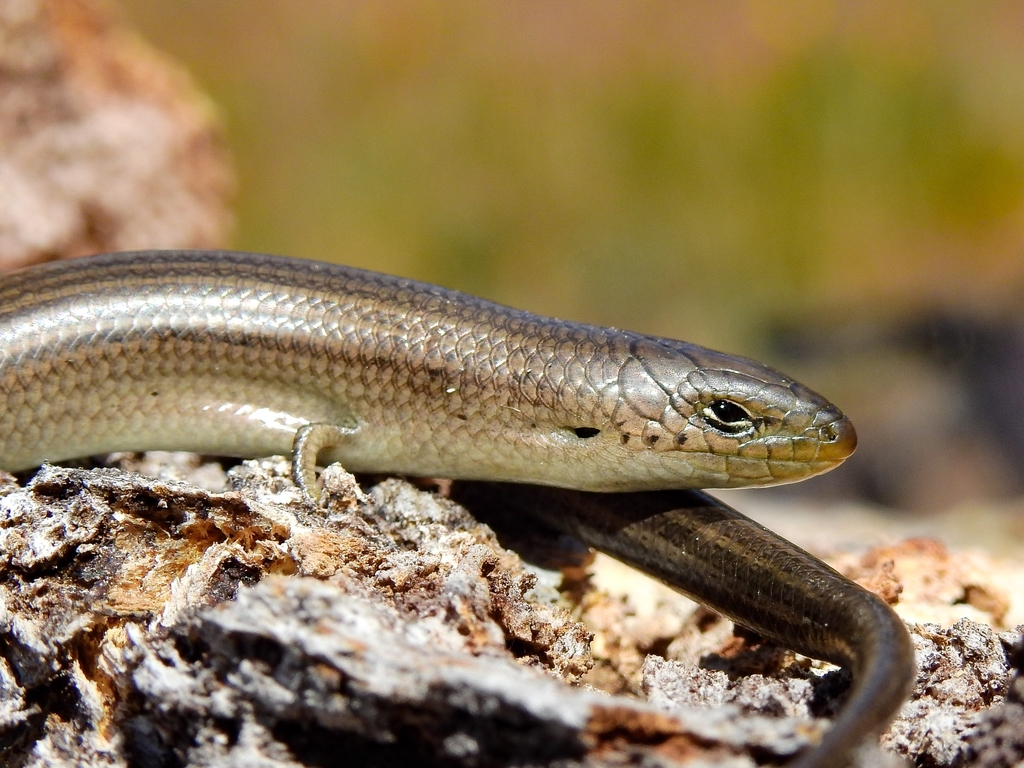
[726, 416]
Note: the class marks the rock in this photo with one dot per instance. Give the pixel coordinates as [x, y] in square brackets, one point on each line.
[107, 145]
[152, 622]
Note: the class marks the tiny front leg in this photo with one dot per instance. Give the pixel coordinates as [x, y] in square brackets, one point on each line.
[310, 440]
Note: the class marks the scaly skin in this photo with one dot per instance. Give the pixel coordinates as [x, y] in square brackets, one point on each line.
[230, 353]
[699, 546]
[233, 354]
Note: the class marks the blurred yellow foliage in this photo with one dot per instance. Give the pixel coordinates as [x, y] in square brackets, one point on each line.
[696, 169]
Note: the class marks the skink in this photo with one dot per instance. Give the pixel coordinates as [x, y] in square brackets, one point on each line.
[249, 355]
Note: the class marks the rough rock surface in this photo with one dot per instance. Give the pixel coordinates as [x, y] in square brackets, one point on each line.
[151, 622]
[106, 144]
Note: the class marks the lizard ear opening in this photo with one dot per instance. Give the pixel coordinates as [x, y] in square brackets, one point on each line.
[584, 432]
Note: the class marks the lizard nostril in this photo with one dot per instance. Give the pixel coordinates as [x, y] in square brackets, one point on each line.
[838, 440]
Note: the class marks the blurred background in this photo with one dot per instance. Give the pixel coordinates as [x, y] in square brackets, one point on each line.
[836, 188]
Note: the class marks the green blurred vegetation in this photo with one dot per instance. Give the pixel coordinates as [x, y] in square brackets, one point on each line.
[698, 170]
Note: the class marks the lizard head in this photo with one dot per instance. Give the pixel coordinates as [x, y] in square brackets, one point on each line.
[679, 415]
